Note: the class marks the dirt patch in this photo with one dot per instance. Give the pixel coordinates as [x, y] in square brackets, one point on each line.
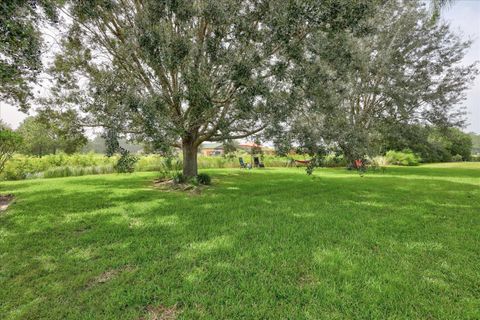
[82, 230]
[170, 185]
[307, 280]
[160, 313]
[5, 201]
[108, 275]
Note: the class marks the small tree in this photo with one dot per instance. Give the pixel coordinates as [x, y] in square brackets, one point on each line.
[256, 148]
[48, 133]
[461, 143]
[37, 140]
[229, 148]
[126, 163]
[9, 143]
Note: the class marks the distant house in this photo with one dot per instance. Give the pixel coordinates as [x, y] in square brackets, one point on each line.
[247, 146]
[212, 149]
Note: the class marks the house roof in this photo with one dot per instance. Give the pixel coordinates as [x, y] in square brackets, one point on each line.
[249, 145]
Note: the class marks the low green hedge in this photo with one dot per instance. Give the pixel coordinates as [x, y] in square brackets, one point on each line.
[402, 158]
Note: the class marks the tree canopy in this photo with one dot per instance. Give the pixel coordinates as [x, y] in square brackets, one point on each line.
[9, 144]
[49, 133]
[177, 73]
[406, 71]
[21, 47]
[338, 74]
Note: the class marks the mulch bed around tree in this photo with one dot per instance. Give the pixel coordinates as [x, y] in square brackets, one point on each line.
[5, 201]
[169, 184]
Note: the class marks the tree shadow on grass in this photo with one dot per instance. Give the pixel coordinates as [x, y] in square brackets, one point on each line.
[276, 240]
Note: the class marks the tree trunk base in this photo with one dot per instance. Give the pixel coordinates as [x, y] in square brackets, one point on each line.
[190, 167]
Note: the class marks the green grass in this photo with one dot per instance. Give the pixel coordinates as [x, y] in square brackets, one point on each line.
[260, 244]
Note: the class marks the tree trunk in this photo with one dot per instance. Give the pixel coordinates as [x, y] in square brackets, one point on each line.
[190, 168]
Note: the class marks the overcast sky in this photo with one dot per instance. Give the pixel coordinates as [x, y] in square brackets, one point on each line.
[464, 17]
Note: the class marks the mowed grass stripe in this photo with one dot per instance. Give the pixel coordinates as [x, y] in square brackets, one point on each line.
[259, 244]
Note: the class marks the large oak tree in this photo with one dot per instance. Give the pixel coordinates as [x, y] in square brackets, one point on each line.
[407, 71]
[180, 72]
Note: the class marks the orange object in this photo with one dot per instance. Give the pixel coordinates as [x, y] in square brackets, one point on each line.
[358, 163]
[303, 161]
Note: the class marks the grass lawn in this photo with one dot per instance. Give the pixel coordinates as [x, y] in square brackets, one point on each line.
[260, 244]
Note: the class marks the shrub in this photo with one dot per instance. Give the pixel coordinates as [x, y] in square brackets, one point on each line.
[126, 163]
[457, 158]
[178, 177]
[333, 160]
[170, 168]
[402, 158]
[379, 161]
[203, 178]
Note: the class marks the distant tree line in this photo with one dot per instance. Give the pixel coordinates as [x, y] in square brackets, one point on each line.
[432, 144]
[41, 136]
[475, 143]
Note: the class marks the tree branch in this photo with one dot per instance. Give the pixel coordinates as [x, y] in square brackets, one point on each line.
[240, 136]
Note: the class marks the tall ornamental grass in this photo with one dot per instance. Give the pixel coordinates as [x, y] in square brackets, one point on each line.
[61, 165]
